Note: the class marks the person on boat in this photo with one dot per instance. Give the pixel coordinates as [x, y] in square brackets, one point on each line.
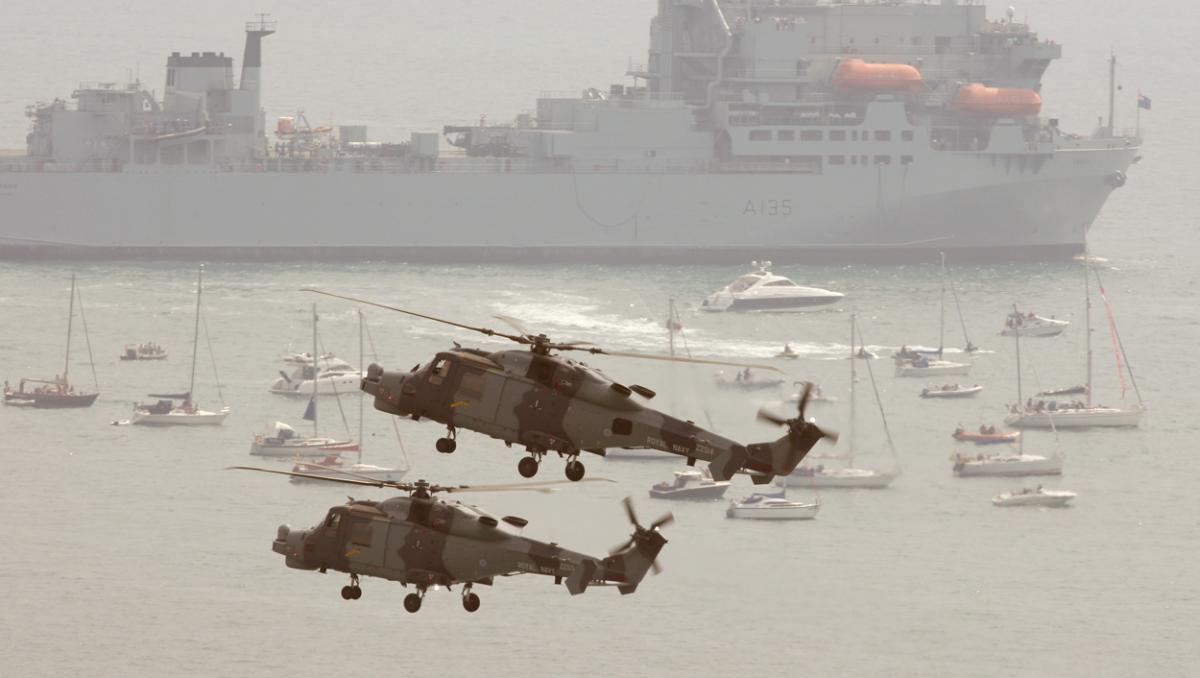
[746, 374]
[959, 430]
[991, 430]
[982, 429]
[787, 349]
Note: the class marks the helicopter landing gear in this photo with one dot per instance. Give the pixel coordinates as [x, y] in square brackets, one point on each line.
[528, 466]
[412, 602]
[575, 470]
[470, 601]
[353, 591]
[447, 445]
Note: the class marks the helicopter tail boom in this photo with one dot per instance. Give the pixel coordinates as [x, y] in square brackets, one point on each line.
[782, 456]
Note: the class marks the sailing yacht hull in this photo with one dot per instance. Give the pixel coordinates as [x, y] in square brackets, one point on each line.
[180, 418]
[1009, 466]
[794, 512]
[316, 448]
[1110, 417]
[50, 401]
[863, 479]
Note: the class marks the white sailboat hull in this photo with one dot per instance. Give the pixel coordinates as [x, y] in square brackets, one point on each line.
[849, 478]
[180, 418]
[1081, 418]
[315, 448]
[794, 512]
[1009, 466]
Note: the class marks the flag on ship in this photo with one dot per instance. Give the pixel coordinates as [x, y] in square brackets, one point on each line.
[1143, 101]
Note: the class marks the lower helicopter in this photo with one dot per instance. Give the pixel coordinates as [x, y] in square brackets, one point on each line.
[420, 540]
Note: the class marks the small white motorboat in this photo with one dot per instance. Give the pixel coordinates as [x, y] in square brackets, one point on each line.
[283, 443]
[950, 391]
[761, 290]
[923, 366]
[824, 477]
[332, 466]
[772, 507]
[1019, 464]
[1034, 497]
[333, 376]
[1032, 325]
[745, 381]
[690, 484]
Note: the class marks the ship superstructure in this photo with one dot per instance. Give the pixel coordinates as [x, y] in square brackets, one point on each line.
[809, 130]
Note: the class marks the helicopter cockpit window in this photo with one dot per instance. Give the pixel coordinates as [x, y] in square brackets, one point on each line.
[438, 371]
[333, 520]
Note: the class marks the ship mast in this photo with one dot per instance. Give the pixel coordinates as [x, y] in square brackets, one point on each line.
[361, 373]
[671, 326]
[1020, 402]
[942, 310]
[314, 372]
[70, 318]
[853, 394]
[1112, 84]
[1087, 317]
[196, 335]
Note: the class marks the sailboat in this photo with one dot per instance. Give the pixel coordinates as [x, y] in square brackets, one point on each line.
[332, 465]
[59, 393]
[848, 476]
[165, 412]
[916, 363]
[1076, 414]
[283, 442]
[1008, 464]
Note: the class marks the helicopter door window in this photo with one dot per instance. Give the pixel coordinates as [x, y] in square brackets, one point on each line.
[439, 371]
[360, 532]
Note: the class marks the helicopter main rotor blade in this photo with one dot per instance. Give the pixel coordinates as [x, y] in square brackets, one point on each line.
[482, 330]
[515, 324]
[537, 486]
[665, 358]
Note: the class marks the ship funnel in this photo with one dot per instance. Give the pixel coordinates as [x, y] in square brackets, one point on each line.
[252, 59]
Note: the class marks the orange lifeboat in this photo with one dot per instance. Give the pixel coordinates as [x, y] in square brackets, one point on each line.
[979, 99]
[856, 74]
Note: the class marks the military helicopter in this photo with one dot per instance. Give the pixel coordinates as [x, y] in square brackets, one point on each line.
[550, 403]
[420, 540]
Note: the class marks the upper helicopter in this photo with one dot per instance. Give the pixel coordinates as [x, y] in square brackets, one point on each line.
[420, 540]
[546, 402]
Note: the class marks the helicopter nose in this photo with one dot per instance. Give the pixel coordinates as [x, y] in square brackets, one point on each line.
[290, 544]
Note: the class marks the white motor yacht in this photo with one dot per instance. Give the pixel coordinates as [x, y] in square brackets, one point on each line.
[761, 290]
[772, 507]
[690, 484]
[1032, 325]
[1035, 497]
[1019, 464]
[334, 376]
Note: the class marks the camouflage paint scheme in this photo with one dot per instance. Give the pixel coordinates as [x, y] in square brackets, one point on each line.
[427, 542]
[548, 403]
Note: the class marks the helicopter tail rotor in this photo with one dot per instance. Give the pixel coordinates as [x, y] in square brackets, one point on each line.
[629, 562]
[780, 457]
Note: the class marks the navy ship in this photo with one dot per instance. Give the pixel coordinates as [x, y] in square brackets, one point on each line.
[806, 130]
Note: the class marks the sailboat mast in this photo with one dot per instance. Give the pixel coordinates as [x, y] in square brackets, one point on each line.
[196, 334]
[314, 372]
[942, 310]
[360, 391]
[1020, 401]
[70, 319]
[1087, 318]
[853, 393]
[671, 325]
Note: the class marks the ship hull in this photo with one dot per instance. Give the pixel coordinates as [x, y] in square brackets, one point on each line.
[968, 205]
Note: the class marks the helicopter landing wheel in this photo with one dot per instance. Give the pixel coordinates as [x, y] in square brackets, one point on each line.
[575, 470]
[527, 467]
[347, 593]
[412, 602]
[445, 445]
[470, 602]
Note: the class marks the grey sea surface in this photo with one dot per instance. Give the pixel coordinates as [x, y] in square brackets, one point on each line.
[132, 552]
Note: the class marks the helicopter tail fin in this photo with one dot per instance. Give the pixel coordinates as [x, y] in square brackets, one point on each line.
[780, 457]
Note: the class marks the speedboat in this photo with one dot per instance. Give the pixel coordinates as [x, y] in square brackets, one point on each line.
[332, 466]
[282, 442]
[772, 507]
[1032, 325]
[333, 375]
[788, 353]
[1019, 464]
[950, 391]
[761, 290]
[166, 413]
[146, 351]
[690, 484]
[989, 437]
[1072, 415]
[821, 476]
[1035, 497]
[924, 366]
